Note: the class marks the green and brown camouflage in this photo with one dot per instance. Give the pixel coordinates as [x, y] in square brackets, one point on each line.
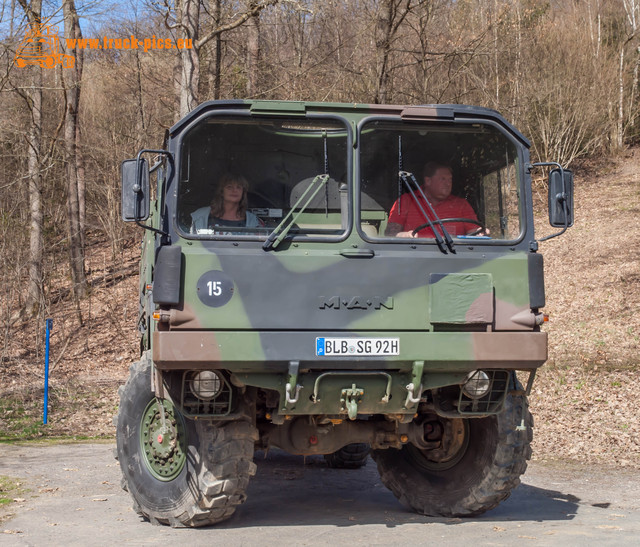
[319, 326]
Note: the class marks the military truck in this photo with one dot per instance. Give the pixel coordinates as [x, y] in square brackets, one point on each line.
[317, 332]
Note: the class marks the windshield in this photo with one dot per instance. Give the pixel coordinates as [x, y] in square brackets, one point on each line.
[429, 180]
[242, 177]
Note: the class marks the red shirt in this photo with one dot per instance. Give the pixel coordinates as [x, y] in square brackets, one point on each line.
[410, 216]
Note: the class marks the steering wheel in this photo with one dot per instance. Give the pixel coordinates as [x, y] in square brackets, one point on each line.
[481, 227]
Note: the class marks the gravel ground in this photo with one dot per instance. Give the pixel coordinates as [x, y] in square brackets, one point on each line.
[74, 498]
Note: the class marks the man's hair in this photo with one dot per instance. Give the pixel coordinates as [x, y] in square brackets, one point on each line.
[431, 167]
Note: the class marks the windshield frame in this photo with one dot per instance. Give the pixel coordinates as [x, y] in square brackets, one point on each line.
[519, 163]
[178, 143]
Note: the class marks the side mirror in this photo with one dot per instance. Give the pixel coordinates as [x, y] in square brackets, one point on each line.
[561, 198]
[135, 190]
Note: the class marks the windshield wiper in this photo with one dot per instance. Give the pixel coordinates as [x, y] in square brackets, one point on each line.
[282, 229]
[408, 178]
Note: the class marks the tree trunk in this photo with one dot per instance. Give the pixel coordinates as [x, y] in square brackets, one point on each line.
[34, 301]
[496, 65]
[82, 188]
[253, 54]
[620, 124]
[389, 19]
[215, 57]
[384, 29]
[75, 199]
[36, 247]
[218, 67]
[188, 15]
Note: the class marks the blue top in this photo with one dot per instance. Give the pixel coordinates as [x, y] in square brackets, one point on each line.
[200, 221]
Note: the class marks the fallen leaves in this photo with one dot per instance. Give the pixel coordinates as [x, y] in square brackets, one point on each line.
[587, 416]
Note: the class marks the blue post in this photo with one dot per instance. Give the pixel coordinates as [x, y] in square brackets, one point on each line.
[48, 326]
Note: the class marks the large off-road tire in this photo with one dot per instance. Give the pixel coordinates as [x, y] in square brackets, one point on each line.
[483, 471]
[193, 473]
[352, 456]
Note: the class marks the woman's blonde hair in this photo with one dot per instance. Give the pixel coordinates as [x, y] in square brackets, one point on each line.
[217, 203]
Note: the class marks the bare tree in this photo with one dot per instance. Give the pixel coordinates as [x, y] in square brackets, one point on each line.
[33, 13]
[188, 23]
[215, 47]
[253, 51]
[389, 19]
[75, 193]
[185, 19]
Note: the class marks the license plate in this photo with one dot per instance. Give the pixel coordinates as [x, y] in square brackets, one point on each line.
[357, 346]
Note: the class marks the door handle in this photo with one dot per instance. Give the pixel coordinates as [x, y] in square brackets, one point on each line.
[358, 253]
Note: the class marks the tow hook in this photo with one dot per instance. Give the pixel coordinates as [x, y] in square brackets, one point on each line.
[413, 396]
[292, 384]
[350, 399]
[289, 399]
[414, 389]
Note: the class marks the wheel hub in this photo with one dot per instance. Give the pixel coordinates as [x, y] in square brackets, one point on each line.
[163, 440]
[444, 444]
[452, 435]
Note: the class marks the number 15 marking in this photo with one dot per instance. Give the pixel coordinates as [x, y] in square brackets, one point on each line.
[215, 288]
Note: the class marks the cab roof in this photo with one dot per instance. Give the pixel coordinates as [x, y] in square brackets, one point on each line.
[443, 112]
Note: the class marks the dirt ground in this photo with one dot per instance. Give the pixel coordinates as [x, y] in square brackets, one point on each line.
[583, 399]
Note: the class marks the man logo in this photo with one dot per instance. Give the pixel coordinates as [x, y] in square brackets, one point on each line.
[355, 302]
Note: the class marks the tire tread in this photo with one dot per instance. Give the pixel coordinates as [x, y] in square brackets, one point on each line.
[498, 478]
[223, 473]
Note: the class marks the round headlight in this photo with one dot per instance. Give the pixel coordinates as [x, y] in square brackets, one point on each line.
[477, 385]
[206, 385]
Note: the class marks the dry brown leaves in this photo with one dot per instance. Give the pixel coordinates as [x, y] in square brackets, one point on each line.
[87, 362]
[583, 399]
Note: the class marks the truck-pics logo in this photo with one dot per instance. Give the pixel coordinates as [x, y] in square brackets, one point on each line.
[41, 46]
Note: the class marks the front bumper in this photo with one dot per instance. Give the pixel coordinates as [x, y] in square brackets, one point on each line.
[274, 351]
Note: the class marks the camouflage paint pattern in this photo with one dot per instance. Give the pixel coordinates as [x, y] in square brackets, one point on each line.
[451, 313]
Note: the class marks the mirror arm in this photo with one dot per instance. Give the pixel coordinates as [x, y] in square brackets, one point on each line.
[566, 221]
[137, 189]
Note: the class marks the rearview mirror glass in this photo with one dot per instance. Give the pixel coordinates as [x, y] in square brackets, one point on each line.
[561, 198]
[135, 190]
